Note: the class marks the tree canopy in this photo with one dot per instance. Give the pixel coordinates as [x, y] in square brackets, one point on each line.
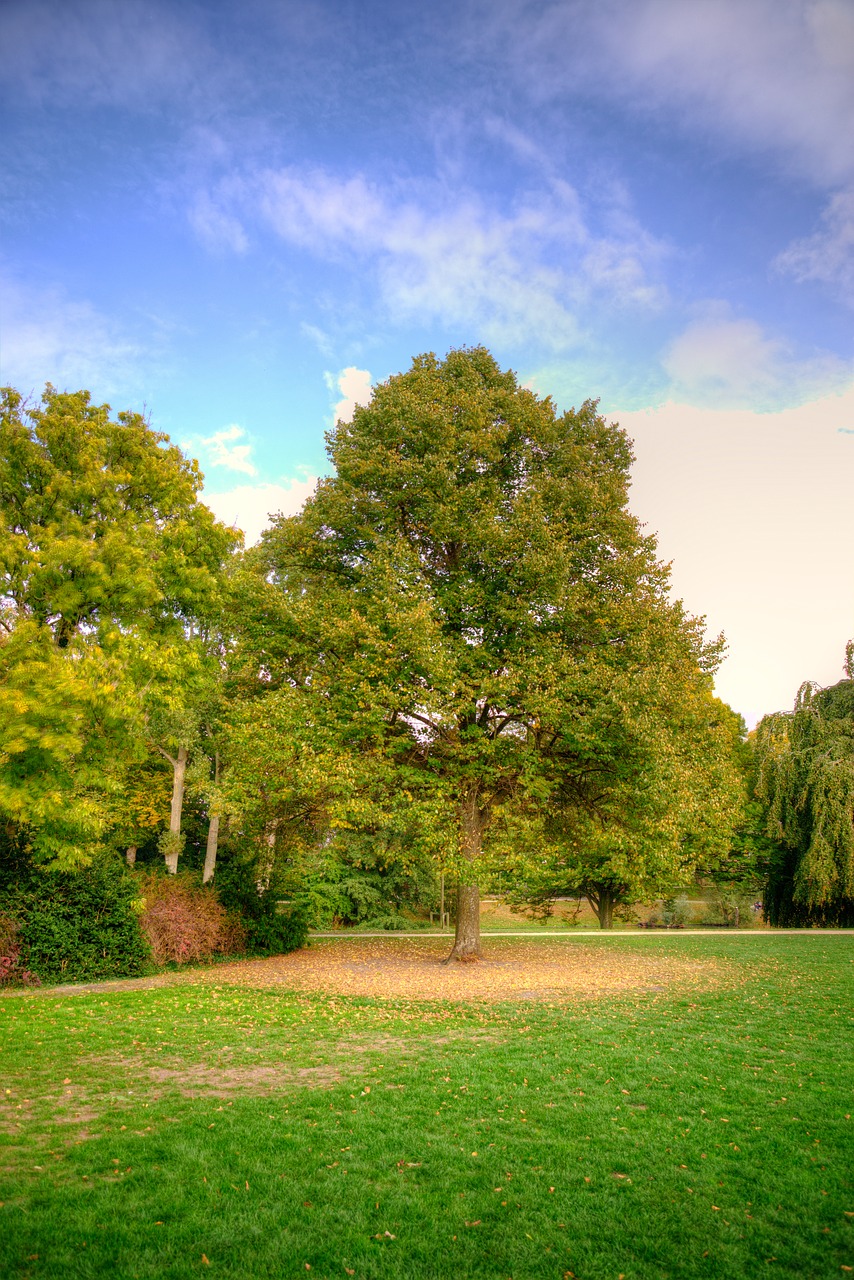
[469, 618]
[110, 570]
[99, 520]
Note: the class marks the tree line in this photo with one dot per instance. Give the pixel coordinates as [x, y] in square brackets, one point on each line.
[460, 658]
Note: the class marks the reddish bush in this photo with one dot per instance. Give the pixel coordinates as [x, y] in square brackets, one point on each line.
[12, 972]
[184, 922]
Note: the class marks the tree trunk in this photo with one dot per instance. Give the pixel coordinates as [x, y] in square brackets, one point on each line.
[473, 822]
[603, 904]
[265, 862]
[211, 848]
[179, 771]
[213, 835]
[130, 854]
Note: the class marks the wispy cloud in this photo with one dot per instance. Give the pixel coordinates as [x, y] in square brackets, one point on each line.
[217, 229]
[45, 336]
[524, 275]
[222, 450]
[827, 256]
[773, 75]
[95, 52]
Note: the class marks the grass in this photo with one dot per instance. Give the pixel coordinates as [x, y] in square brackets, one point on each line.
[221, 1131]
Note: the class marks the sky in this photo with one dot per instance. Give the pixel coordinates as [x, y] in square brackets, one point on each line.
[237, 218]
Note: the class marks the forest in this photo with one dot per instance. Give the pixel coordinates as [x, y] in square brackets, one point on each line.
[459, 665]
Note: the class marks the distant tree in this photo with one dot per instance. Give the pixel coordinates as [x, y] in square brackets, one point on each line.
[466, 615]
[649, 833]
[805, 781]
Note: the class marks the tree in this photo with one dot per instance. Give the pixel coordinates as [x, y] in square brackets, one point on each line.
[466, 611]
[650, 832]
[101, 523]
[805, 761]
[105, 551]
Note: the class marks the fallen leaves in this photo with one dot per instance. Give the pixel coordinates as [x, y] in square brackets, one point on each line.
[412, 968]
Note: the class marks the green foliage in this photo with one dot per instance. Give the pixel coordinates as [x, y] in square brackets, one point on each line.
[271, 926]
[99, 520]
[108, 561]
[783, 907]
[648, 832]
[805, 782]
[78, 925]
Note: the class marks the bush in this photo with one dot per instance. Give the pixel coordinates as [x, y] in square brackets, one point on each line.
[183, 921]
[676, 912]
[272, 927]
[77, 925]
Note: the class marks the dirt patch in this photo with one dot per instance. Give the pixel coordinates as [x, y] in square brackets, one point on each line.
[222, 1082]
[398, 968]
[336, 1061]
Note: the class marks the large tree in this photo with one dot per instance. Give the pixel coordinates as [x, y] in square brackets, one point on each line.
[467, 610]
[805, 764]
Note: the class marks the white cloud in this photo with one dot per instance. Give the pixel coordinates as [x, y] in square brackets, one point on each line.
[520, 276]
[316, 335]
[354, 387]
[224, 452]
[755, 511]
[773, 75]
[45, 336]
[250, 506]
[827, 256]
[728, 362]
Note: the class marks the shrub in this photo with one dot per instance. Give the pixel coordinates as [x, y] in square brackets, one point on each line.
[77, 924]
[183, 921]
[272, 927]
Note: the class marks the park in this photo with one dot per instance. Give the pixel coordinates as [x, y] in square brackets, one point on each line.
[426, 640]
[395, 897]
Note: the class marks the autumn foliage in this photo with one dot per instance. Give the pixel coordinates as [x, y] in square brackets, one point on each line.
[183, 922]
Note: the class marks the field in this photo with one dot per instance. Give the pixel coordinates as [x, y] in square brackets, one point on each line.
[587, 1107]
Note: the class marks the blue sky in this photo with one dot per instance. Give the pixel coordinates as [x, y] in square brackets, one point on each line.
[241, 216]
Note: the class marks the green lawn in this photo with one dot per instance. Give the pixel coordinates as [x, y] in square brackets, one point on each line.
[221, 1131]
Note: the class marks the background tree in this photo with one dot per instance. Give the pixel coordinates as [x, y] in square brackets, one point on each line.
[805, 782]
[648, 832]
[468, 608]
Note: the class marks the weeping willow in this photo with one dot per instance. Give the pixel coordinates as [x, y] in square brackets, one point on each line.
[805, 780]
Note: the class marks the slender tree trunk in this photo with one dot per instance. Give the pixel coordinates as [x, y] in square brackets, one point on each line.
[265, 863]
[179, 772]
[213, 835]
[211, 849]
[131, 854]
[473, 822]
